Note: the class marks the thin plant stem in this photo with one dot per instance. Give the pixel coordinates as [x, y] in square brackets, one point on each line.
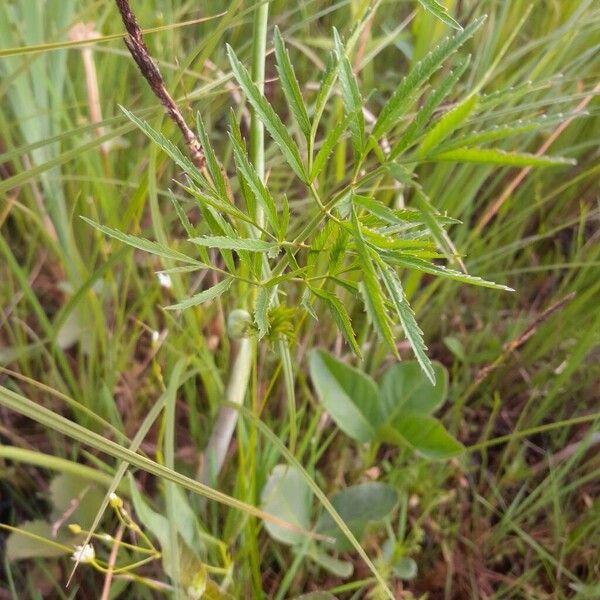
[243, 352]
[257, 129]
[222, 432]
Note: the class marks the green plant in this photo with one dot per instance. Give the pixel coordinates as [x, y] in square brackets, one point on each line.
[396, 412]
[347, 233]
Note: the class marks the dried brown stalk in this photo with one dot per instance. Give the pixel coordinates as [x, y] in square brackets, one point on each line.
[139, 51]
[111, 564]
[81, 32]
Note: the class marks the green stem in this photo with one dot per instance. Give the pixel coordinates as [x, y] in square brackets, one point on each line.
[257, 156]
[237, 386]
[221, 435]
[257, 129]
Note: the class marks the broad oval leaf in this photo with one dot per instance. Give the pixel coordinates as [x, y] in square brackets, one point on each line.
[25, 543]
[337, 567]
[405, 568]
[425, 434]
[287, 496]
[358, 505]
[404, 387]
[348, 395]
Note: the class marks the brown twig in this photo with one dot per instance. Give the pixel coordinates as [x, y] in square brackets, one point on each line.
[111, 564]
[139, 51]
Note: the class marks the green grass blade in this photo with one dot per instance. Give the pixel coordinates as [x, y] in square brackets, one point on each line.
[272, 437]
[50, 419]
[170, 488]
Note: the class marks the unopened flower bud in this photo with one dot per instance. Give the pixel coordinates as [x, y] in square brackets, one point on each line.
[74, 528]
[115, 501]
[239, 323]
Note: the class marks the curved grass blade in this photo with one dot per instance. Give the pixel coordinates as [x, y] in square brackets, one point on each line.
[50, 419]
[246, 413]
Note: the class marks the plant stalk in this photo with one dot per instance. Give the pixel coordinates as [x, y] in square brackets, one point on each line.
[224, 427]
[216, 449]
